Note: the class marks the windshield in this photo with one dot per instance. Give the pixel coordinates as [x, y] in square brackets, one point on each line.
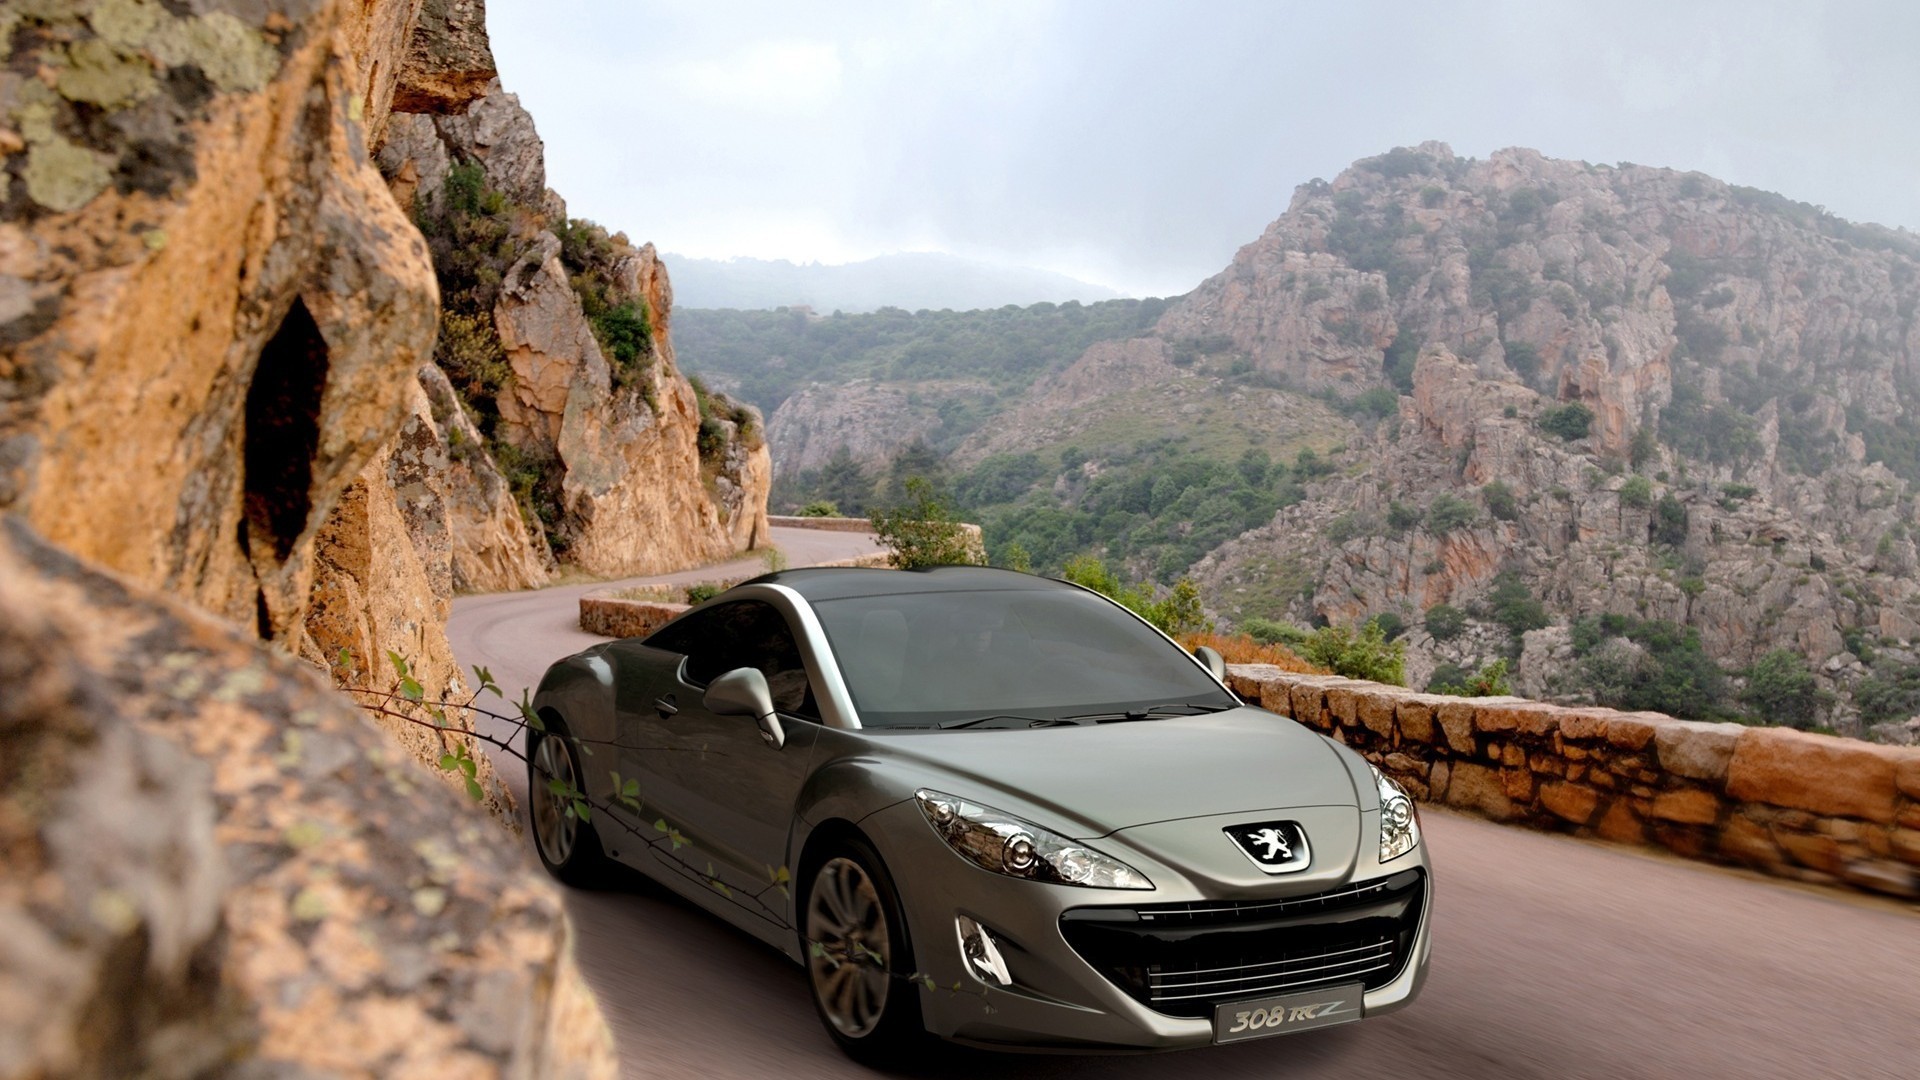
[923, 659]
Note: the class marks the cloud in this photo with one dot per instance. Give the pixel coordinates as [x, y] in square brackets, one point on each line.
[776, 78]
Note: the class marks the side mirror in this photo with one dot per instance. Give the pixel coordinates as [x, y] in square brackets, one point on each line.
[1211, 657]
[743, 692]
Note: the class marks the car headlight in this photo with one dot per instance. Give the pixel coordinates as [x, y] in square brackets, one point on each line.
[1399, 828]
[1007, 845]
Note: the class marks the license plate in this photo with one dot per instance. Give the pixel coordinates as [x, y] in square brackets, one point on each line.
[1284, 1015]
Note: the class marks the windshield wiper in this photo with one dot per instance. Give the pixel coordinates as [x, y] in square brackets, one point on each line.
[1032, 721]
[1149, 713]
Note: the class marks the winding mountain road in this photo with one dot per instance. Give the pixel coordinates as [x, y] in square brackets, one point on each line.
[1552, 957]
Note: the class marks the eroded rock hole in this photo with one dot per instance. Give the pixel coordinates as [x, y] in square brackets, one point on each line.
[283, 430]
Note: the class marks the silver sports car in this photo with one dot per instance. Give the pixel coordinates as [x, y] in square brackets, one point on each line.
[994, 807]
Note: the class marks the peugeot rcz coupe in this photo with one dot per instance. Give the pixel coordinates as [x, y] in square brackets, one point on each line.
[989, 806]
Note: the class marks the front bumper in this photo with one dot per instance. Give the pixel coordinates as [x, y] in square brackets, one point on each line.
[1060, 1000]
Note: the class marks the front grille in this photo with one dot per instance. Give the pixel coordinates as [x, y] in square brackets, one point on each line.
[1183, 959]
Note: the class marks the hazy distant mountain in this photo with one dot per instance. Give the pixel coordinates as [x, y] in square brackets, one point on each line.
[912, 280]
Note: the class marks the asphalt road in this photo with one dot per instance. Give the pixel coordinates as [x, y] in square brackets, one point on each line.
[1552, 957]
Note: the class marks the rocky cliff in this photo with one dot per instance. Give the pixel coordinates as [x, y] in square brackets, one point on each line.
[218, 385]
[1657, 396]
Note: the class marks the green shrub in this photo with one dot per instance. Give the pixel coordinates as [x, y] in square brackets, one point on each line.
[702, 592]
[1571, 421]
[1445, 622]
[1781, 690]
[1637, 492]
[1892, 694]
[1366, 654]
[1501, 502]
[1273, 631]
[1489, 681]
[1669, 524]
[1179, 612]
[1511, 604]
[819, 508]
[1401, 517]
[1448, 512]
[1668, 672]
[1390, 624]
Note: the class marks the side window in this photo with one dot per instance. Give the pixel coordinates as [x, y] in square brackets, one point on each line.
[746, 633]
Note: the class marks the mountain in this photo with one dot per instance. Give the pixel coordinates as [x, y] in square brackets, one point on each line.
[909, 280]
[1649, 437]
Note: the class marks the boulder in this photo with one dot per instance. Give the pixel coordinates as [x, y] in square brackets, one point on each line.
[212, 858]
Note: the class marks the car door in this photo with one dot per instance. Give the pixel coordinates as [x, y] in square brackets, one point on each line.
[726, 796]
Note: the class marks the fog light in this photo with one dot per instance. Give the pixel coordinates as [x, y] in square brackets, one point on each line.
[982, 953]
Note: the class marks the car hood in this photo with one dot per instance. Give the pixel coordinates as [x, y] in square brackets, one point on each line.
[1097, 779]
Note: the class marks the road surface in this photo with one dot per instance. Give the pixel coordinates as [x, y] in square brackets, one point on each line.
[1552, 957]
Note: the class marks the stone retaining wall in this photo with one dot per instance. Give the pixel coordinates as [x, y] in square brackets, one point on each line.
[829, 524]
[1809, 807]
[608, 615]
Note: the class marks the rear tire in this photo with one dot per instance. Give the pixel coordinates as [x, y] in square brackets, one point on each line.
[851, 912]
[567, 845]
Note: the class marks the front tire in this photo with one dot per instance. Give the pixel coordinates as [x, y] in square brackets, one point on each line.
[568, 845]
[859, 958]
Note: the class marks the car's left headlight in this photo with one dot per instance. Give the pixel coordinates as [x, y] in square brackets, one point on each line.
[1007, 845]
[1399, 828]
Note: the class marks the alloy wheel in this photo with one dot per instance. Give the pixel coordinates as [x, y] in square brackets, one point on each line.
[850, 948]
[553, 826]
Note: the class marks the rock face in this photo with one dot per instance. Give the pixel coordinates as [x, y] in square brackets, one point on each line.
[872, 421]
[636, 471]
[211, 316]
[1743, 366]
[212, 858]
[207, 298]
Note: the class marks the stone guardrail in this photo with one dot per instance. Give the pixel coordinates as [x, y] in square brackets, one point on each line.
[830, 524]
[608, 615]
[1810, 807]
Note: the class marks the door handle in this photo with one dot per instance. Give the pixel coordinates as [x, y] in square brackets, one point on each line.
[665, 705]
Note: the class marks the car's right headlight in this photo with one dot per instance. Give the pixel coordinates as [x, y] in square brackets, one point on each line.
[1399, 827]
[1007, 845]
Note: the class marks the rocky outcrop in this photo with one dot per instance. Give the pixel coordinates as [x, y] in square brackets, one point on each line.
[212, 858]
[1664, 398]
[1798, 805]
[872, 421]
[210, 298]
[448, 59]
[491, 547]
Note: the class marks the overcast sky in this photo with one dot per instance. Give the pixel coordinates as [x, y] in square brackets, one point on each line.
[1139, 144]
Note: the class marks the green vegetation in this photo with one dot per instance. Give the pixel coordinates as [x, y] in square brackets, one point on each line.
[1781, 690]
[1637, 492]
[1571, 421]
[1500, 500]
[1362, 654]
[1511, 604]
[923, 530]
[1448, 512]
[1155, 508]
[1445, 622]
[1669, 524]
[771, 354]
[1177, 612]
[1890, 693]
[1650, 664]
[820, 508]
[1489, 681]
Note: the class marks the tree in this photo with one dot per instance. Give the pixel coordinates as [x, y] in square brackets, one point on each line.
[1448, 512]
[1781, 690]
[922, 530]
[1489, 681]
[1513, 605]
[1637, 492]
[844, 483]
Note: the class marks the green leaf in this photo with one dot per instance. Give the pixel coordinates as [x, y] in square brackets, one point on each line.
[527, 715]
[410, 688]
[816, 950]
[468, 765]
[485, 679]
[346, 658]
[449, 762]
[557, 786]
[473, 789]
[631, 788]
[399, 663]
[660, 825]
[581, 808]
